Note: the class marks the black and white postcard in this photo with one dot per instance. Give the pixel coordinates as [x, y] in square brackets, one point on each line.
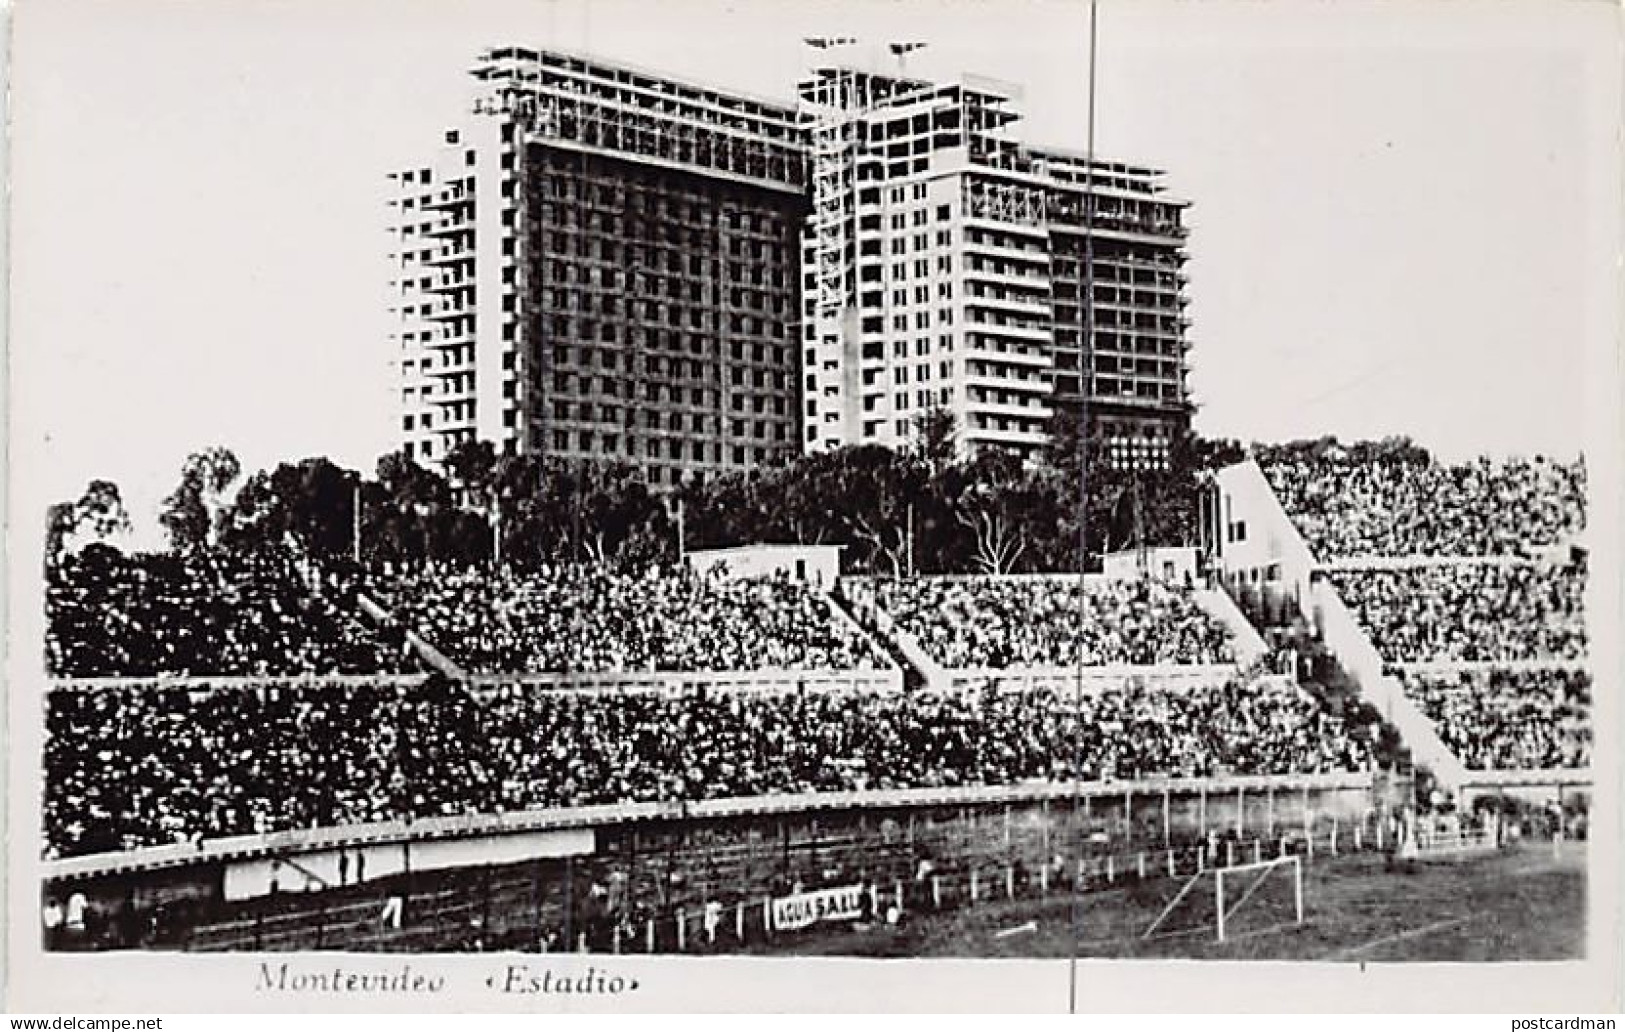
[1046, 505]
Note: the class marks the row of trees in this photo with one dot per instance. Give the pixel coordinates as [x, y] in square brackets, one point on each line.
[924, 509]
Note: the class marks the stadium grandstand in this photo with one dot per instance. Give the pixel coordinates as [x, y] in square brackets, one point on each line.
[260, 750]
[1468, 581]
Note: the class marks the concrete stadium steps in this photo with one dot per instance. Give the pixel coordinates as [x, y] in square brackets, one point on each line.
[881, 630]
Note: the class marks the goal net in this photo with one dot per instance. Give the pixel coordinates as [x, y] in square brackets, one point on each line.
[1228, 901]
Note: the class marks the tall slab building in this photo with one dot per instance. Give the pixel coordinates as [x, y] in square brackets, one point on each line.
[947, 266]
[603, 263]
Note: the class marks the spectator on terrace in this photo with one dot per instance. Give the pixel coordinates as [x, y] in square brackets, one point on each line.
[1507, 719]
[575, 617]
[1469, 612]
[1000, 623]
[237, 613]
[1388, 508]
[136, 766]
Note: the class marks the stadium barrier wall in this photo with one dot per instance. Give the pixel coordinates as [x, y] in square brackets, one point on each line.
[1367, 563]
[709, 884]
[1545, 786]
[210, 682]
[781, 681]
[478, 826]
[1093, 680]
[1354, 651]
[313, 872]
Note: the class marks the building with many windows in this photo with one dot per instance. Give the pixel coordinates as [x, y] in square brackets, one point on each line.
[603, 263]
[946, 266]
[608, 263]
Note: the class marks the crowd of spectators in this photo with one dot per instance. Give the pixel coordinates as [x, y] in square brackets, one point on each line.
[1474, 611]
[1400, 507]
[1503, 719]
[998, 623]
[148, 765]
[573, 618]
[160, 763]
[254, 613]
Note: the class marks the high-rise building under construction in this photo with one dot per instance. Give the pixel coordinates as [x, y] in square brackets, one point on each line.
[603, 263]
[608, 263]
[949, 267]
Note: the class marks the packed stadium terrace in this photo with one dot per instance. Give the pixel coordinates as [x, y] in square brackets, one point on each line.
[155, 764]
[1346, 508]
[1474, 611]
[227, 613]
[1480, 604]
[1501, 719]
[593, 618]
[997, 623]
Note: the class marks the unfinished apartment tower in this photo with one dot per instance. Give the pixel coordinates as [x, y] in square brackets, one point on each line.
[603, 263]
[947, 267]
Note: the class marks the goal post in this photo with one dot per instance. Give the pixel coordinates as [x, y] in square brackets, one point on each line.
[1261, 871]
[1233, 887]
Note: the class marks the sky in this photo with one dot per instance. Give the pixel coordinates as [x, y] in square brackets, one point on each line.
[1404, 218]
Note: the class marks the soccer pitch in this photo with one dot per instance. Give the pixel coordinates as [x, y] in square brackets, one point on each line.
[1523, 904]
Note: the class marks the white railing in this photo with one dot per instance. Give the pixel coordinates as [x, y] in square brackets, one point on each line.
[1548, 777]
[1459, 666]
[1092, 680]
[889, 679]
[1353, 564]
[213, 682]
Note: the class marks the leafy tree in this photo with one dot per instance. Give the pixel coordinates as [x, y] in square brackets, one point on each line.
[1005, 508]
[194, 513]
[312, 500]
[732, 509]
[96, 517]
[61, 523]
[407, 515]
[471, 467]
[867, 492]
[616, 508]
[101, 510]
[935, 436]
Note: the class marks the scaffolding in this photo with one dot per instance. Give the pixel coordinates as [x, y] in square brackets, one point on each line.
[567, 101]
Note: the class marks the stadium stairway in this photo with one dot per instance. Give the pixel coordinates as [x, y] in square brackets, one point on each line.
[1323, 676]
[913, 677]
[1282, 625]
[431, 656]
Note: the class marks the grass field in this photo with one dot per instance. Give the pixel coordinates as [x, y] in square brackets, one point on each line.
[1522, 904]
